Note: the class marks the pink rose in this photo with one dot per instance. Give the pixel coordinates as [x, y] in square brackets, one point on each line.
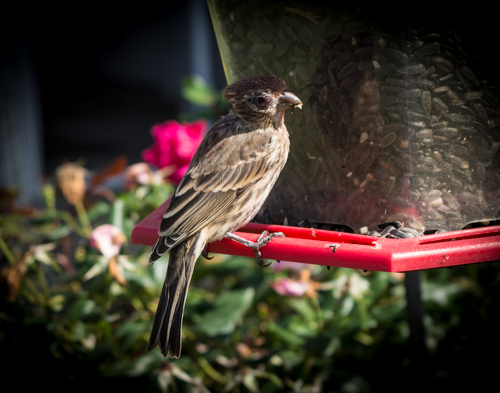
[108, 240]
[289, 287]
[175, 145]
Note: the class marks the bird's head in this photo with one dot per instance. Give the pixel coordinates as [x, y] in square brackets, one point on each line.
[262, 100]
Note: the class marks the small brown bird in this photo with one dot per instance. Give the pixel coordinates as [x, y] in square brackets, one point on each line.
[228, 180]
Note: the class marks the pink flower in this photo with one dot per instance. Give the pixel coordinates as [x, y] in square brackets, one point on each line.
[108, 240]
[294, 266]
[137, 174]
[290, 287]
[175, 145]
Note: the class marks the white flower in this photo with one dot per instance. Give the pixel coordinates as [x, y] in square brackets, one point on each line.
[108, 239]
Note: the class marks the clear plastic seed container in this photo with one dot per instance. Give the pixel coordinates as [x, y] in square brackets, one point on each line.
[399, 122]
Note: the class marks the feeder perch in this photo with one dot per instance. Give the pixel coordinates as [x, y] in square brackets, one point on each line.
[340, 249]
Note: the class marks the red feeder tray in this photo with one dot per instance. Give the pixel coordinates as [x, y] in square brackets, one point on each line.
[339, 249]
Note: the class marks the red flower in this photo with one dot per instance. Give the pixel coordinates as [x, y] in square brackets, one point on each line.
[175, 145]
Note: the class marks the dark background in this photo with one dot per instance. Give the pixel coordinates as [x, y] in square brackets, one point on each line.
[88, 82]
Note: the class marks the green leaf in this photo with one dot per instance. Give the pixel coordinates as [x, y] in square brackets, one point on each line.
[346, 306]
[117, 213]
[131, 333]
[82, 309]
[283, 334]
[142, 277]
[198, 92]
[43, 253]
[97, 268]
[98, 210]
[136, 366]
[250, 382]
[56, 302]
[301, 328]
[303, 307]
[227, 309]
[59, 232]
[291, 358]
[333, 345]
[270, 376]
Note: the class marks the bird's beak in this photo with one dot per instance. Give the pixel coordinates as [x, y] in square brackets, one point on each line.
[289, 100]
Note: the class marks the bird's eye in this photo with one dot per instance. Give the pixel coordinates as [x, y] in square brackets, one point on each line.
[261, 101]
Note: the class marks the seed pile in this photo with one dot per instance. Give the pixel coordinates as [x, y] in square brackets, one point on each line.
[395, 126]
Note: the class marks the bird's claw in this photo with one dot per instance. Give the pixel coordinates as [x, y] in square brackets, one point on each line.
[259, 259]
[263, 239]
[204, 254]
[262, 264]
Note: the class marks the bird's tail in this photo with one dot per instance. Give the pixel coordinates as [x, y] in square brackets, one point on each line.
[167, 325]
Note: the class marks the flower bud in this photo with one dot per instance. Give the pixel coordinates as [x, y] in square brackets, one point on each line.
[70, 179]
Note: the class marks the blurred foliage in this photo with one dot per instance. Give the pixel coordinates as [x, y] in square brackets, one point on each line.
[67, 324]
[206, 100]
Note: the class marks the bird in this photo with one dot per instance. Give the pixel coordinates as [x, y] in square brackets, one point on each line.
[228, 180]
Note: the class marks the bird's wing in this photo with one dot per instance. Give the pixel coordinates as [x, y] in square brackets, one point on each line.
[221, 170]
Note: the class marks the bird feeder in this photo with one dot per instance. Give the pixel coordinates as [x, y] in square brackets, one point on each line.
[399, 124]
[341, 249]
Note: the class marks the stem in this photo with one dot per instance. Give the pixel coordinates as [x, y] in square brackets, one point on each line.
[319, 312]
[49, 196]
[66, 216]
[33, 293]
[6, 251]
[211, 372]
[43, 282]
[84, 219]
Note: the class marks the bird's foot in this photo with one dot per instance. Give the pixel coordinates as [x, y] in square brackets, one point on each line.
[263, 239]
